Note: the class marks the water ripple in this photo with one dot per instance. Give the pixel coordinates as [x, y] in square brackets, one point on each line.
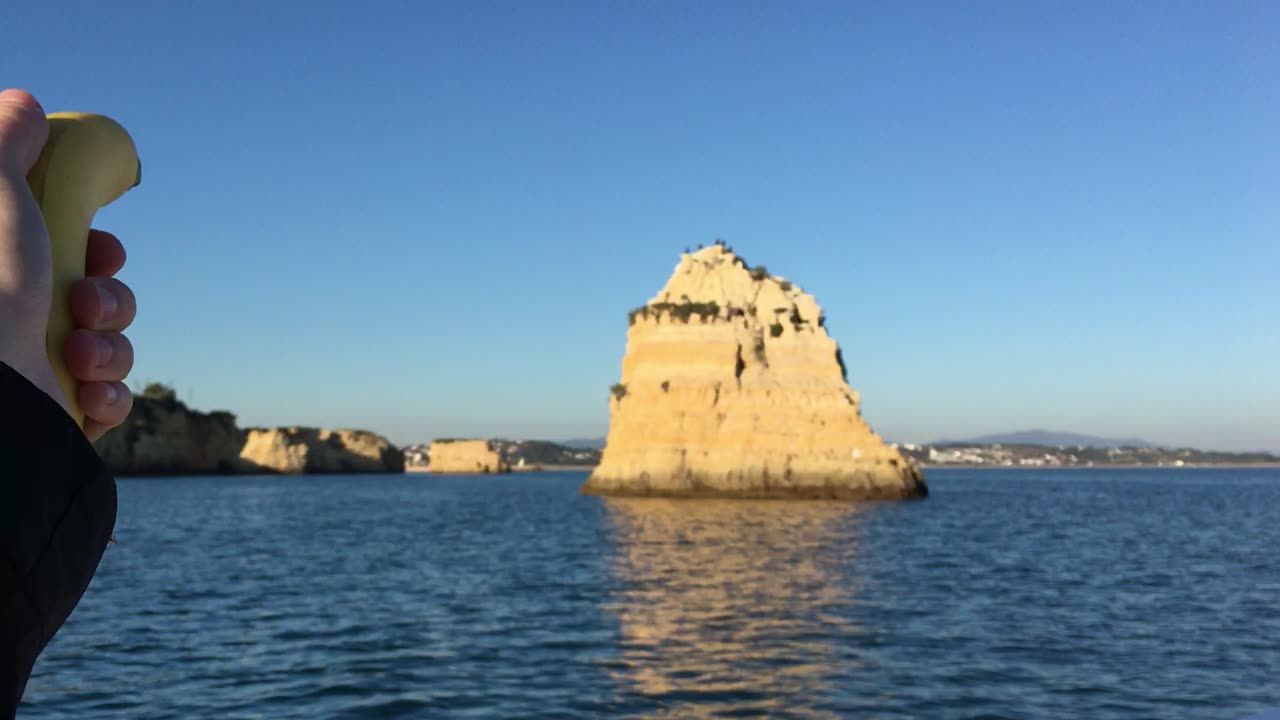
[1108, 594]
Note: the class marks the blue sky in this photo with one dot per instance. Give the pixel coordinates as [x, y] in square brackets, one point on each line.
[431, 218]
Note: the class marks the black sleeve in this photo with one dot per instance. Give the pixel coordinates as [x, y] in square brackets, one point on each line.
[57, 511]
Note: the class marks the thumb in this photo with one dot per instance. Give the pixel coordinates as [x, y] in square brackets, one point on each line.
[25, 279]
[23, 131]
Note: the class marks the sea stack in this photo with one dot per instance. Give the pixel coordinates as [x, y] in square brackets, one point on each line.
[731, 387]
[465, 457]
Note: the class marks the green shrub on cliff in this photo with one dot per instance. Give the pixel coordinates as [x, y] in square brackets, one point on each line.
[683, 311]
[159, 391]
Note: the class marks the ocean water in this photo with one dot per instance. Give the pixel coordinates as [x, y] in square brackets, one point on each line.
[1007, 594]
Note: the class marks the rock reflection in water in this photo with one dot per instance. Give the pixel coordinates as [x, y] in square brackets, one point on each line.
[731, 608]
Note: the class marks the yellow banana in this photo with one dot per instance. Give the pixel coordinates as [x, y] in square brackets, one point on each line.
[88, 162]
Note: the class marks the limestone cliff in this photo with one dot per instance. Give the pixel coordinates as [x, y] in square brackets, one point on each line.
[731, 387]
[162, 436]
[465, 456]
[315, 450]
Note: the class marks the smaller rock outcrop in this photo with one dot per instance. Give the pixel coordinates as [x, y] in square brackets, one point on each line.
[308, 450]
[465, 456]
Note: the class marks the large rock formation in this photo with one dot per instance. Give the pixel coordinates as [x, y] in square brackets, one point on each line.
[465, 456]
[315, 450]
[162, 436]
[731, 387]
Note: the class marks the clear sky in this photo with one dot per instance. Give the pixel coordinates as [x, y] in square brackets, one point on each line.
[431, 218]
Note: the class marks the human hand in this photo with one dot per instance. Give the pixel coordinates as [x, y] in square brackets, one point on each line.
[96, 353]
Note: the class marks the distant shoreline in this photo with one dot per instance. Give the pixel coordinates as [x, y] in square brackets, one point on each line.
[1199, 466]
[948, 466]
[422, 469]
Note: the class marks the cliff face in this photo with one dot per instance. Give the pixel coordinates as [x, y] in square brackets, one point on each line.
[165, 437]
[315, 450]
[731, 387]
[465, 456]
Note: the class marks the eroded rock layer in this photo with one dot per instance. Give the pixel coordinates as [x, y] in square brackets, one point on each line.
[731, 387]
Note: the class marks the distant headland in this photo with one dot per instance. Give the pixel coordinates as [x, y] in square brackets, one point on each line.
[162, 436]
[1042, 456]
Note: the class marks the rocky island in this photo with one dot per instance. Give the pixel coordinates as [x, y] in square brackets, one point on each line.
[731, 387]
[162, 436]
[465, 457]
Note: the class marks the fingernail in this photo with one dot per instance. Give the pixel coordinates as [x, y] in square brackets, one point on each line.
[112, 393]
[107, 304]
[102, 351]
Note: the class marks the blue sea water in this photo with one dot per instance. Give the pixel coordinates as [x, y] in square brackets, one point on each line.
[1007, 594]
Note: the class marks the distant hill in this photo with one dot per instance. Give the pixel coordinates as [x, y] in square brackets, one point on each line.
[975, 454]
[584, 443]
[1051, 439]
[542, 452]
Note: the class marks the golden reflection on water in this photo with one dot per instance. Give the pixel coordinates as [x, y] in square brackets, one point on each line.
[731, 607]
